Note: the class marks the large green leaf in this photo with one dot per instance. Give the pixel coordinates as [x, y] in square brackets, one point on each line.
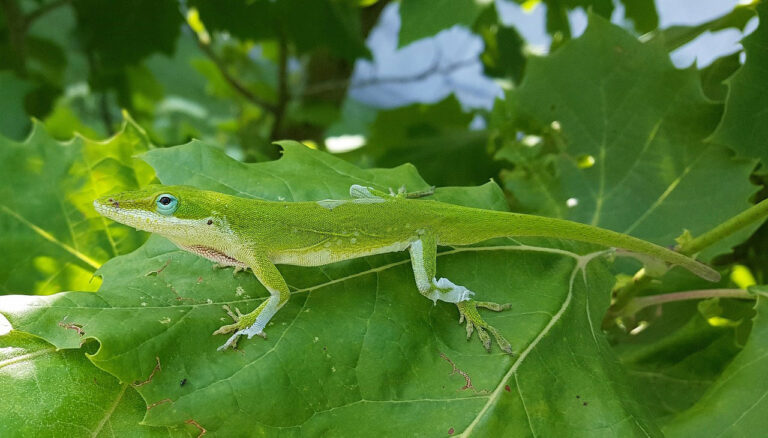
[421, 19]
[356, 340]
[744, 127]
[50, 392]
[47, 219]
[735, 404]
[623, 143]
[714, 75]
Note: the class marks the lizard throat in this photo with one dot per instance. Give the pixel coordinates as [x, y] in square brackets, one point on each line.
[214, 255]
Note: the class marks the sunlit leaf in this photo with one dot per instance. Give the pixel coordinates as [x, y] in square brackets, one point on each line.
[47, 219]
[50, 392]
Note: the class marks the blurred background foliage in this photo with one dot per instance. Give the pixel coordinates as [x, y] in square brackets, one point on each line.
[404, 80]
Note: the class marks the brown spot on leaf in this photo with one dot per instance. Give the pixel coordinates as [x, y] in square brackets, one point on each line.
[151, 375]
[76, 327]
[168, 262]
[506, 388]
[467, 379]
[198, 426]
[165, 400]
[175, 292]
[450, 431]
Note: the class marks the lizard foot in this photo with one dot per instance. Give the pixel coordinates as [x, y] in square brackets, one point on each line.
[468, 311]
[217, 266]
[240, 327]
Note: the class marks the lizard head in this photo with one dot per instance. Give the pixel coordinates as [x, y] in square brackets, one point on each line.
[180, 212]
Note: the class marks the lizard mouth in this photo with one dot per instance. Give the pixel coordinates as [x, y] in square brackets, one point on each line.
[139, 219]
[109, 210]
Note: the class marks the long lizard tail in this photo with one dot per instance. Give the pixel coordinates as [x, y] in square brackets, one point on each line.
[487, 225]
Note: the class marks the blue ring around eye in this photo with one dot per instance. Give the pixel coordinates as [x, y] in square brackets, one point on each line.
[166, 204]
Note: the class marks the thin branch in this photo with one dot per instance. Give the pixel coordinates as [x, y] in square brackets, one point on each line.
[231, 80]
[754, 213]
[639, 303]
[625, 296]
[434, 69]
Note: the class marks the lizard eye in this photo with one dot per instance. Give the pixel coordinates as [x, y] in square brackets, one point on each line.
[166, 204]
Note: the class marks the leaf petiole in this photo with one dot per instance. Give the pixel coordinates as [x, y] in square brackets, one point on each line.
[639, 303]
[725, 229]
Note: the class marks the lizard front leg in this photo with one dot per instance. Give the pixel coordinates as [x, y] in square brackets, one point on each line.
[252, 324]
[424, 261]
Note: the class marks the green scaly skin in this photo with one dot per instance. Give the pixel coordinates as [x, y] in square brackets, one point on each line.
[257, 234]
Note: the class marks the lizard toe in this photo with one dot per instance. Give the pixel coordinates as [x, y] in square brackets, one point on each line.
[468, 311]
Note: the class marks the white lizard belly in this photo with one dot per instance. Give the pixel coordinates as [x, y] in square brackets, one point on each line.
[323, 256]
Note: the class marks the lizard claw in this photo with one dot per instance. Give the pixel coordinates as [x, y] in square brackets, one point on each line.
[468, 312]
[229, 328]
[243, 325]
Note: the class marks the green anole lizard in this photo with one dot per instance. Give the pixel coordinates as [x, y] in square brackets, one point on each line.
[258, 234]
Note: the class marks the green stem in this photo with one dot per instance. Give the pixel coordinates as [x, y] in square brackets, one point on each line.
[725, 229]
[625, 302]
[637, 304]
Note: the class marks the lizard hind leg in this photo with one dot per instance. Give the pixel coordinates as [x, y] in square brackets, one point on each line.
[253, 323]
[424, 260]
